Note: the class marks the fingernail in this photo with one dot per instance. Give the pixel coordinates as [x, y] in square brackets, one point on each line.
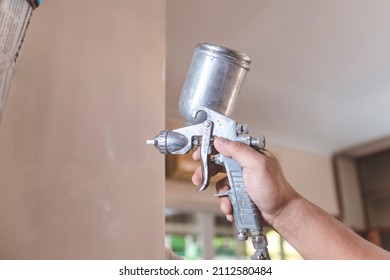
[222, 141]
[195, 181]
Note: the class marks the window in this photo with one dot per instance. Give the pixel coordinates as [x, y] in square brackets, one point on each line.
[205, 235]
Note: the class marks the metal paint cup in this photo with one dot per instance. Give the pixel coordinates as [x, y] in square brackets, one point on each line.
[214, 80]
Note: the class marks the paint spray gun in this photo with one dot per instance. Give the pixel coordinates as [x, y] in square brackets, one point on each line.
[209, 94]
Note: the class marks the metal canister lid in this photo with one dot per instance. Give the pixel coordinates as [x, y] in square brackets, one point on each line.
[235, 56]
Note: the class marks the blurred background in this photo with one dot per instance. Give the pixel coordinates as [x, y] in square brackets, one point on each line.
[318, 90]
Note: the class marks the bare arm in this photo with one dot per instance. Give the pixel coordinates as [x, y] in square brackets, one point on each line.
[317, 235]
[310, 230]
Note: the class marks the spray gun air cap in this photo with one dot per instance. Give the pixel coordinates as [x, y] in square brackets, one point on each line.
[214, 80]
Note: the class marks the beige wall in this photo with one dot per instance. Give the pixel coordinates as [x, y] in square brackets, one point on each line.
[311, 175]
[76, 178]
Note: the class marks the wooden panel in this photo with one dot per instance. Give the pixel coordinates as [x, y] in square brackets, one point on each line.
[375, 173]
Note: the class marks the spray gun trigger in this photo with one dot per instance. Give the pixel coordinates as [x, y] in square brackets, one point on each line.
[205, 153]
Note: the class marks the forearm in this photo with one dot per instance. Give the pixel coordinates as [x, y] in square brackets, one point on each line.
[317, 235]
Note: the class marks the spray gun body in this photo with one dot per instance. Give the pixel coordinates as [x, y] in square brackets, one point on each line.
[208, 97]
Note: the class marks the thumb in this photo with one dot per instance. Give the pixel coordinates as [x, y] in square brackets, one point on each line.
[238, 151]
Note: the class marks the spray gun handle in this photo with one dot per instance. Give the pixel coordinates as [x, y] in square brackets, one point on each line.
[245, 213]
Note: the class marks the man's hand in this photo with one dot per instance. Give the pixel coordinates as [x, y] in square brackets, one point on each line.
[263, 179]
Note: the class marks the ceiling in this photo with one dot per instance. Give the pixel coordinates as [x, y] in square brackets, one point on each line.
[320, 73]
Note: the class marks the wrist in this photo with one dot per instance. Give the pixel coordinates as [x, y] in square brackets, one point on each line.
[286, 215]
